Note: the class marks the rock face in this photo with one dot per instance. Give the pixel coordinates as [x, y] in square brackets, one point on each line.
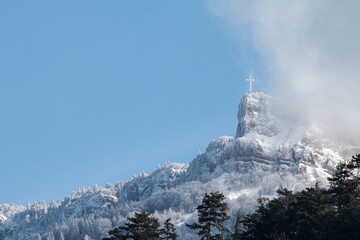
[255, 115]
[268, 152]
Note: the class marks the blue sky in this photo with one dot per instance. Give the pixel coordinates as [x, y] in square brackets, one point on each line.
[95, 91]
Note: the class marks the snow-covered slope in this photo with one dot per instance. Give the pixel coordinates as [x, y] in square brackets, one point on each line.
[269, 151]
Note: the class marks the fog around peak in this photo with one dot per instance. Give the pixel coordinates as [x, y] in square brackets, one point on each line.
[312, 53]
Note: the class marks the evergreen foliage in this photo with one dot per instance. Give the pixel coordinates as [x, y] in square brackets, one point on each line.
[314, 213]
[211, 217]
[143, 227]
[168, 232]
[140, 227]
[238, 227]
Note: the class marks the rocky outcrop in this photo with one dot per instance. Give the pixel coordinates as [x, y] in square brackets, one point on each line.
[267, 152]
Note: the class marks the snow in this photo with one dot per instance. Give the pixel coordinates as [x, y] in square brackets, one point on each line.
[269, 151]
[250, 192]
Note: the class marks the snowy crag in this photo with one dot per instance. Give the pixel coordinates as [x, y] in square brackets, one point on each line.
[269, 151]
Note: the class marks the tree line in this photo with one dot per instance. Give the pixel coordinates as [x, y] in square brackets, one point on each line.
[144, 227]
[314, 213]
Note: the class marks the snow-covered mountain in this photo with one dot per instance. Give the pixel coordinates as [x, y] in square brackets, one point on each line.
[270, 150]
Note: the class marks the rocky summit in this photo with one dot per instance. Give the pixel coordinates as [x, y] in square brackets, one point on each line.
[270, 150]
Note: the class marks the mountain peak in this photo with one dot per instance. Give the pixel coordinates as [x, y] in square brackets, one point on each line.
[254, 115]
[271, 150]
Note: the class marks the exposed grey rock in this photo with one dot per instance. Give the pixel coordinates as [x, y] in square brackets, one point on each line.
[268, 152]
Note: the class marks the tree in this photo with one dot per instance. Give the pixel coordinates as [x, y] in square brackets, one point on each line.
[139, 227]
[168, 232]
[61, 236]
[271, 220]
[238, 227]
[86, 237]
[211, 217]
[50, 236]
[115, 234]
[345, 193]
[313, 213]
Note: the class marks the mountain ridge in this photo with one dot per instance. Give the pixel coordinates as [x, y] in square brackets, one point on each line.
[269, 151]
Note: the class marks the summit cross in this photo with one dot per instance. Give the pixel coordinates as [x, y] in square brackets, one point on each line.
[250, 80]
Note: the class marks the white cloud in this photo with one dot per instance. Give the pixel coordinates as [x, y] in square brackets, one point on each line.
[312, 51]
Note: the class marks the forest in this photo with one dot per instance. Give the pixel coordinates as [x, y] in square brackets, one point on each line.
[315, 213]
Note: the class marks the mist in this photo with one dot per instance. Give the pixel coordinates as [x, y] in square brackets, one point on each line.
[311, 50]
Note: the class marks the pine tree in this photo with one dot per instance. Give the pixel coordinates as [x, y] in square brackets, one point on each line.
[115, 234]
[50, 236]
[86, 237]
[253, 223]
[211, 217]
[345, 192]
[314, 213]
[168, 232]
[238, 225]
[272, 219]
[62, 236]
[140, 227]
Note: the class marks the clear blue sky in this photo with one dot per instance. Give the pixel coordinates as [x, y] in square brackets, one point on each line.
[94, 91]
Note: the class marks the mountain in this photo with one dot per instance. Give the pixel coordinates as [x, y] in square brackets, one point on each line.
[270, 150]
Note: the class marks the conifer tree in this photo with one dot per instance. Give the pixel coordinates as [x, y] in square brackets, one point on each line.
[140, 227]
[168, 232]
[62, 236]
[345, 192]
[50, 236]
[115, 234]
[238, 225]
[211, 217]
[314, 213]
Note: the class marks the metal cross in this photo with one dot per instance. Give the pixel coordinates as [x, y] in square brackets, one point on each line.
[250, 80]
